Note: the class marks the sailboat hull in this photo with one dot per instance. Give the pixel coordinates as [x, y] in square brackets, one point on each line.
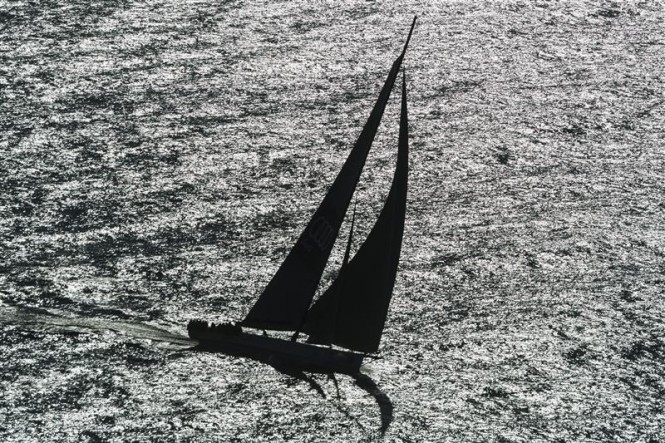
[277, 351]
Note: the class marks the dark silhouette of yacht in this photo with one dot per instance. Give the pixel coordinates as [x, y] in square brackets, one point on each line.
[351, 313]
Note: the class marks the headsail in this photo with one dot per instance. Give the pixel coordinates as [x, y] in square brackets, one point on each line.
[284, 302]
[359, 297]
[332, 305]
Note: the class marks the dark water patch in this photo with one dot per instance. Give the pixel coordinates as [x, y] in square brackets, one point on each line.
[578, 355]
[109, 246]
[22, 208]
[74, 215]
[60, 398]
[286, 165]
[611, 12]
[14, 133]
[447, 259]
[148, 157]
[206, 121]
[575, 130]
[98, 312]
[458, 314]
[52, 298]
[460, 86]
[274, 219]
[653, 348]
[29, 279]
[168, 238]
[503, 156]
[91, 437]
[217, 229]
[75, 21]
[495, 392]
[21, 338]
[133, 355]
[89, 101]
[628, 296]
[303, 27]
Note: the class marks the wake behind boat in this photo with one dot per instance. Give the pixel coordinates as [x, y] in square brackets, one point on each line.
[351, 313]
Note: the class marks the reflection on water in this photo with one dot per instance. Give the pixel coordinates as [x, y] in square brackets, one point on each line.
[363, 381]
[382, 400]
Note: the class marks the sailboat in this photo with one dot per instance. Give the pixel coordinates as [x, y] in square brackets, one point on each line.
[351, 313]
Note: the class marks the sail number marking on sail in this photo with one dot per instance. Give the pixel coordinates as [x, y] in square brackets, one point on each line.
[321, 234]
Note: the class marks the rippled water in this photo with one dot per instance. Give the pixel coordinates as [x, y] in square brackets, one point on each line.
[157, 160]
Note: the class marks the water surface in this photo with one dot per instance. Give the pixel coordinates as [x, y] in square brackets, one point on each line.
[158, 159]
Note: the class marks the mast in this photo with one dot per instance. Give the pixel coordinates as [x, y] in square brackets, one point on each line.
[350, 241]
[284, 302]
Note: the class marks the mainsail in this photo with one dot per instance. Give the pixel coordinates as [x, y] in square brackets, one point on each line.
[352, 312]
[284, 302]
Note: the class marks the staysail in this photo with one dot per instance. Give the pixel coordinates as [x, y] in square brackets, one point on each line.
[332, 306]
[352, 312]
[284, 302]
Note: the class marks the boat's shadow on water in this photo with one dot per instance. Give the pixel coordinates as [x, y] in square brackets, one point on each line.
[385, 405]
[363, 381]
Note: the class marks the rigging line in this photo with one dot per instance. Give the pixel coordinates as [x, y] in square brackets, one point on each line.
[350, 241]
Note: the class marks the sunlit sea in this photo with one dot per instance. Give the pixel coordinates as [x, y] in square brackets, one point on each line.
[159, 158]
